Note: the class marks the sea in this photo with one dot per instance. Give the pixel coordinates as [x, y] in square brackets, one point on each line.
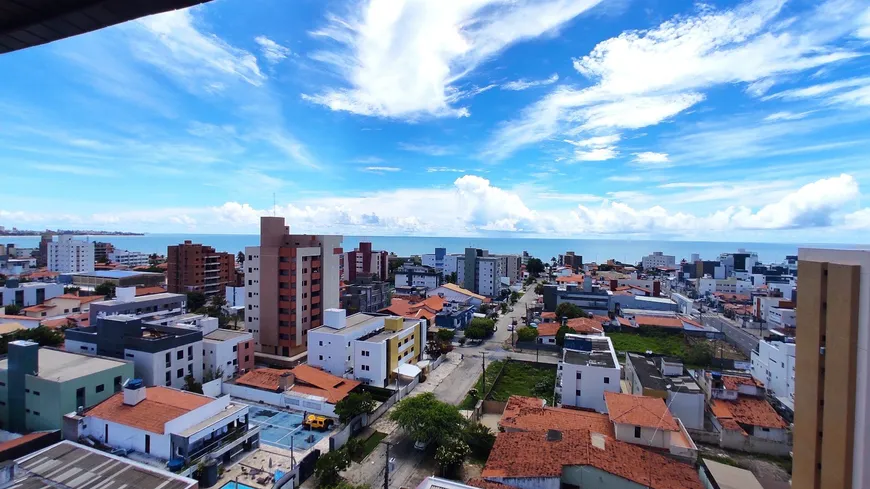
[592, 250]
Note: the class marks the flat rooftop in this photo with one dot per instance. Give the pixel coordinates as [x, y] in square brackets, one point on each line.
[224, 335]
[143, 298]
[660, 300]
[115, 274]
[353, 322]
[69, 464]
[651, 377]
[590, 358]
[60, 366]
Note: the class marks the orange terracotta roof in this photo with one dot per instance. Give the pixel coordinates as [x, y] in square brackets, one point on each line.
[17, 318]
[482, 483]
[161, 405]
[729, 297]
[650, 412]
[732, 382]
[658, 321]
[21, 440]
[58, 323]
[623, 322]
[530, 414]
[691, 321]
[140, 291]
[548, 315]
[43, 274]
[408, 308]
[750, 411]
[36, 308]
[83, 299]
[571, 279]
[578, 325]
[309, 380]
[524, 454]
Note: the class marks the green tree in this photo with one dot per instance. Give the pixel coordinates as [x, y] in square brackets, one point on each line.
[354, 447]
[504, 308]
[190, 384]
[480, 439]
[106, 289]
[195, 301]
[527, 334]
[329, 466]
[480, 328]
[445, 334]
[153, 259]
[71, 290]
[353, 405]
[427, 419]
[700, 354]
[535, 267]
[560, 334]
[450, 456]
[515, 297]
[13, 309]
[241, 258]
[539, 289]
[570, 311]
[452, 278]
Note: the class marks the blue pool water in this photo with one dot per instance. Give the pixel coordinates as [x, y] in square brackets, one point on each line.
[234, 485]
[282, 429]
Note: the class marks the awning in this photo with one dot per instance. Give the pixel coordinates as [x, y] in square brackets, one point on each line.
[407, 370]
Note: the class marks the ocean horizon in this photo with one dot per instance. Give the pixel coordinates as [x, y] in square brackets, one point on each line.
[597, 250]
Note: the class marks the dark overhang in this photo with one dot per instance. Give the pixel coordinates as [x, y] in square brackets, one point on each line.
[27, 23]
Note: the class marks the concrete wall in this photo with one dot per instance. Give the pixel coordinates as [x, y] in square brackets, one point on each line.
[588, 477]
[649, 437]
[122, 436]
[591, 385]
[213, 388]
[530, 482]
[28, 290]
[688, 407]
[370, 362]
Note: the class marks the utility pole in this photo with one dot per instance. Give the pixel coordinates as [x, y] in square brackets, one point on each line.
[483, 355]
[387, 467]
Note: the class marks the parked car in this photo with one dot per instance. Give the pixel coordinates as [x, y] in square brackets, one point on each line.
[421, 445]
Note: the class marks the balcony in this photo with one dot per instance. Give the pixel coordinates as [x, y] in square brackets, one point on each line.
[315, 275]
[315, 300]
[315, 287]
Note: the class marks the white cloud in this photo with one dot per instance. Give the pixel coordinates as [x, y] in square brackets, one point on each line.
[642, 78]
[596, 141]
[381, 169]
[597, 154]
[786, 116]
[625, 178]
[652, 159]
[841, 91]
[760, 87]
[859, 219]
[427, 149]
[864, 25]
[404, 58]
[368, 160]
[523, 84]
[72, 170]
[443, 169]
[271, 50]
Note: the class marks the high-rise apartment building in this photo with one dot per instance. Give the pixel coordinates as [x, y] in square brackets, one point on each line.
[364, 261]
[480, 272]
[572, 260]
[290, 280]
[832, 385]
[193, 267]
[102, 250]
[42, 256]
[68, 255]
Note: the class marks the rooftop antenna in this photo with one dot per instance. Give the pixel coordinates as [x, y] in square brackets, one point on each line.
[274, 205]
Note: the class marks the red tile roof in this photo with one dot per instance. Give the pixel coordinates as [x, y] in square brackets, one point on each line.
[732, 382]
[659, 321]
[571, 279]
[43, 274]
[578, 325]
[140, 291]
[649, 412]
[36, 308]
[482, 483]
[408, 308]
[749, 411]
[529, 454]
[529, 414]
[309, 380]
[84, 299]
[58, 323]
[548, 315]
[21, 440]
[161, 405]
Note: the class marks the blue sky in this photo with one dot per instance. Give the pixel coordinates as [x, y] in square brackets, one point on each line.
[645, 119]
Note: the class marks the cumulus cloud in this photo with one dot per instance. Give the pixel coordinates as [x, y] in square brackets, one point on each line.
[523, 84]
[271, 50]
[642, 78]
[406, 58]
[651, 159]
[598, 148]
[597, 154]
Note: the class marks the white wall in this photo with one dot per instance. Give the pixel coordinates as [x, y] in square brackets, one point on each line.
[122, 436]
[785, 318]
[68, 255]
[489, 273]
[688, 407]
[451, 295]
[284, 400]
[417, 280]
[329, 351]
[73, 346]
[151, 368]
[773, 366]
[591, 385]
[370, 362]
[220, 355]
[52, 290]
[129, 258]
[649, 437]
[450, 265]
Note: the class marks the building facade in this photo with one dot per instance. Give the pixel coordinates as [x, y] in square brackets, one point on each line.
[831, 394]
[480, 272]
[658, 260]
[129, 258]
[435, 260]
[773, 364]
[230, 353]
[102, 250]
[68, 255]
[40, 385]
[365, 297]
[145, 307]
[409, 275]
[290, 280]
[28, 294]
[364, 261]
[194, 267]
[586, 371]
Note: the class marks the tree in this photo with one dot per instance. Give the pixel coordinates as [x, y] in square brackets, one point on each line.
[504, 308]
[527, 334]
[13, 309]
[450, 456]
[241, 258]
[445, 334]
[427, 419]
[700, 354]
[515, 297]
[41, 335]
[535, 267]
[210, 375]
[486, 325]
[560, 334]
[539, 289]
[106, 289]
[190, 384]
[195, 301]
[329, 465]
[570, 311]
[353, 405]
[484, 308]
[153, 259]
[71, 290]
[480, 439]
[452, 278]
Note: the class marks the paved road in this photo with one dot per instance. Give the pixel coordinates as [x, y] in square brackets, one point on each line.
[739, 337]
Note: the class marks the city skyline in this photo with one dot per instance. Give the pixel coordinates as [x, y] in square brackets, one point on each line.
[599, 119]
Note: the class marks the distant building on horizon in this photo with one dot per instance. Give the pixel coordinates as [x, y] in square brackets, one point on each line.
[363, 261]
[193, 267]
[68, 255]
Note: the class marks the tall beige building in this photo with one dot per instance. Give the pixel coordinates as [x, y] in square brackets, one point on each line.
[832, 372]
[290, 279]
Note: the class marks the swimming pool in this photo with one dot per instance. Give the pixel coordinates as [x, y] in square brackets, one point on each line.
[283, 429]
[234, 485]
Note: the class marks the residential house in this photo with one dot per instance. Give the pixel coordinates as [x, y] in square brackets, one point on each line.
[61, 305]
[773, 365]
[146, 307]
[455, 293]
[304, 388]
[27, 294]
[588, 368]
[531, 414]
[39, 385]
[584, 326]
[646, 421]
[229, 352]
[665, 378]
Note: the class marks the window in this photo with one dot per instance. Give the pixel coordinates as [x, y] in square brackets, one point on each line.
[168, 377]
[235, 348]
[179, 373]
[637, 431]
[765, 429]
[579, 375]
[365, 367]
[320, 343]
[321, 357]
[36, 393]
[606, 380]
[190, 369]
[117, 384]
[250, 282]
[101, 388]
[36, 413]
[189, 352]
[577, 392]
[179, 354]
[246, 358]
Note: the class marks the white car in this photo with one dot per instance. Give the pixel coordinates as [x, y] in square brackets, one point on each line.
[421, 445]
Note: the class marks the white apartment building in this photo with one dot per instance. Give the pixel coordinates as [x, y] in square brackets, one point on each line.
[451, 263]
[229, 352]
[68, 255]
[658, 259]
[511, 266]
[416, 276]
[781, 317]
[487, 278]
[371, 349]
[587, 370]
[773, 364]
[28, 294]
[165, 423]
[129, 258]
[731, 285]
